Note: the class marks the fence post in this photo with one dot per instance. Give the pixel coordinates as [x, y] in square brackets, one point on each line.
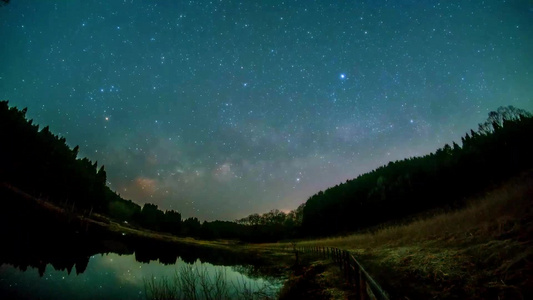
[350, 268]
[346, 265]
[362, 287]
[339, 258]
[357, 281]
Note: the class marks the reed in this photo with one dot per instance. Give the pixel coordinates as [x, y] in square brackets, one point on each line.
[196, 282]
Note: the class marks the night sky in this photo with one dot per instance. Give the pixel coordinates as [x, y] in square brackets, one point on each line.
[219, 109]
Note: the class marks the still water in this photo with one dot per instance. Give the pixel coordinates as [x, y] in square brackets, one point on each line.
[45, 256]
[111, 276]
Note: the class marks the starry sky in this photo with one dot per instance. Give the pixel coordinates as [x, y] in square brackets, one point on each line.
[223, 108]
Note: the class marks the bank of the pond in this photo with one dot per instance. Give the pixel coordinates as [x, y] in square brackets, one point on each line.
[316, 278]
[30, 207]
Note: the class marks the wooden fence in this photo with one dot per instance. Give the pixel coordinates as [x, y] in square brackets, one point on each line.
[366, 287]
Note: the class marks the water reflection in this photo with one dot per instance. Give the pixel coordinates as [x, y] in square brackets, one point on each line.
[108, 276]
[47, 260]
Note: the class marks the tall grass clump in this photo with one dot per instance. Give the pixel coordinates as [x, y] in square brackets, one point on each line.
[196, 282]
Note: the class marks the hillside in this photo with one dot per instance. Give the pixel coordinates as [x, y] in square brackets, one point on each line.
[483, 251]
[501, 148]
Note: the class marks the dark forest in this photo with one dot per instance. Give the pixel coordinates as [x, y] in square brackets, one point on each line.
[44, 166]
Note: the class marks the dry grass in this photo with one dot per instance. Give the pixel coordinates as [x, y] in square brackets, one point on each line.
[498, 213]
[482, 251]
[161, 236]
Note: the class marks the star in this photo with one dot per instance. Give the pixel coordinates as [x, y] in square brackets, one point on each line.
[331, 93]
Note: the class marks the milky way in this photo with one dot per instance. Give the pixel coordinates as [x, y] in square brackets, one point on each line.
[219, 109]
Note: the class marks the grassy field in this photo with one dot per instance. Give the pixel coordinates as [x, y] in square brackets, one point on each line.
[483, 251]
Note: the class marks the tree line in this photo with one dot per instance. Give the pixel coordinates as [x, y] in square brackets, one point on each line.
[500, 148]
[43, 165]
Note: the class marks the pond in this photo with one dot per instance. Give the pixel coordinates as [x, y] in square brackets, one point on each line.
[45, 258]
[114, 276]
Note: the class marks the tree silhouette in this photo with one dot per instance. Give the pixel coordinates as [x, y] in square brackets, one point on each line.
[42, 165]
[499, 149]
